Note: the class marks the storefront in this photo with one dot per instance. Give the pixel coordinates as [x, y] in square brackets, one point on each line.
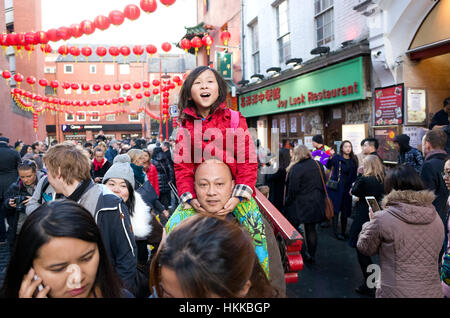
[84, 133]
[312, 100]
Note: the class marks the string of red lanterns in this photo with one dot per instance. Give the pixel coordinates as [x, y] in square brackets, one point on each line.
[85, 27]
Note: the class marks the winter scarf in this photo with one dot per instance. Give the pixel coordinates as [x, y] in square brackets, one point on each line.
[433, 152]
[98, 164]
[139, 174]
[248, 215]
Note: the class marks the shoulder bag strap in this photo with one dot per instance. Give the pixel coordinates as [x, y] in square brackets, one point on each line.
[321, 176]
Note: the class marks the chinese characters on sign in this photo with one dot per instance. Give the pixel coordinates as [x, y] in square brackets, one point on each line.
[389, 105]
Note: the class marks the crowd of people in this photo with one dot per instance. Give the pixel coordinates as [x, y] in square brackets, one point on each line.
[122, 219]
[410, 231]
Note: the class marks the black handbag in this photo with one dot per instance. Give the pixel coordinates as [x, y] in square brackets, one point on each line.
[333, 184]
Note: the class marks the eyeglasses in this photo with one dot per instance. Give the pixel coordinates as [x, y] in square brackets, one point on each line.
[446, 174]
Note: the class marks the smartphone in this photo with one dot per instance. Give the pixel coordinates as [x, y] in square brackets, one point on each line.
[372, 202]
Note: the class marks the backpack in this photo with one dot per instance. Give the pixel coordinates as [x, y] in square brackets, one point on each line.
[44, 187]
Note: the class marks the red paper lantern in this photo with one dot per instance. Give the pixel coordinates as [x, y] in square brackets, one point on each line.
[75, 86]
[166, 94]
[18, 78]
[107, 102]
[125, 50]
[121, 100]
[30, 38]
[172, 85]
[54, 84]
[146, 84]
[115, 100]
[151, 49]
[185, 44]
[42, 37]
[30, 80]
[101, 51]
[94, 103]
[63, 50]
[147, 94]
[167, 2]
[138, 50]
[139, 96]
[87, 27]
[52, 35]
[64, 33]
[75, 51]
[101, 22]
[225, 37]
[156, 83]
[76, 31]
[176, 79]
[101, 103]
[165, 100]
[137, 85]
[196, 43]
[20, 39]
[117, 87]
[86, 51]
[129, 98]
[114, 52]
[132, 12]
[46, 48]
[148, 6]
[66, 85]
[166, 46]
[96, 87]
[116, 17]
[85, 87]
[107, 87]
[155, 91]
[126, 86]
[207, 41]
[43, 82]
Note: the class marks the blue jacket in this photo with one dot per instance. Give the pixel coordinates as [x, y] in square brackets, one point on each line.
[110, 154]
[413, 158]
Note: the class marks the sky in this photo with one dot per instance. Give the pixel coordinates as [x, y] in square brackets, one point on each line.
[166, 24]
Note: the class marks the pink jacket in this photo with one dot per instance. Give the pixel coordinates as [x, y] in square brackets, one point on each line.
[408, 236]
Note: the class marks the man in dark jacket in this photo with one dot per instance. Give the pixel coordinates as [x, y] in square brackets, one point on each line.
[10, 159]
[370, 147]
[113, 150]
[408, 155]
[165, 175]
[440, 119]
[17, 197]
[433, 145]
[69, 174]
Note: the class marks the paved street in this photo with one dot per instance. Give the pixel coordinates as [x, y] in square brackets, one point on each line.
[335, 273]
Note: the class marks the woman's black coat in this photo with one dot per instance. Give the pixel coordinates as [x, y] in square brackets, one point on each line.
[305, 195]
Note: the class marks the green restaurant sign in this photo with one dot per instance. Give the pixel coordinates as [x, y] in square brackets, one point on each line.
[340, 83]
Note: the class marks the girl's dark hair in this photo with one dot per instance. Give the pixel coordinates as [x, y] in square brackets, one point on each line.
[131, 200]
[60, 218]
[352, 154]
[24, 150]
[211, 256]
[186, 101]
[403, 178]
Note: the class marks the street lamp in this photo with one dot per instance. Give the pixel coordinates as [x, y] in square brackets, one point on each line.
[294, 62]
[320, 50]
[258, 77]
[243, 82]
[273, 71]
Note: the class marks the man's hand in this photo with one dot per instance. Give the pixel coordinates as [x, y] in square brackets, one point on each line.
[196, 205]
[229, 206]
[166, 214]
[12, 204]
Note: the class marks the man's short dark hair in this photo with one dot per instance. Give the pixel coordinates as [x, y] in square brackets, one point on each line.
[373, 142]
[437, 138]
[447, 101]
[363, 141]
[87, 145]
[34, 145]
[318, 139]
[166, 144]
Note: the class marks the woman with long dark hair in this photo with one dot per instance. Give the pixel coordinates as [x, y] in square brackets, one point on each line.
[344, 167]
[60, 248]
[205, 257]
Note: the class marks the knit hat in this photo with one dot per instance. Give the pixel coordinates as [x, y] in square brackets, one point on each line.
[318, 139]
[120, 170]
[122, 158]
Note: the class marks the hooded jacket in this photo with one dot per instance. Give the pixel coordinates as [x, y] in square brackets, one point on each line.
[244, 173]
[408, 236]
[408, 155]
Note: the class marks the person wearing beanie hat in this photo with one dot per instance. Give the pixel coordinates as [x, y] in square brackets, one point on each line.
[408, 155]
[120, 170]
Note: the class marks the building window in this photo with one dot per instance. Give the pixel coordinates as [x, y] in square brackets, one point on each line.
[50, 70]
[49, 91]
[284, 37]
[111, 117]
[323, 10]
[95, 115]
[133, 117]
[81, 116]
[92, 69]
[70, 117]
[109, 69]
[124, 68]
[255, 48]
[68, 69]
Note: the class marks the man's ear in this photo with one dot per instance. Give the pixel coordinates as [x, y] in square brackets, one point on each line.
[233, 183]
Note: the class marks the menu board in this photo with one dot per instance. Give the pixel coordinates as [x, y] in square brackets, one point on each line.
[389, 105]
[386, 149]
[355, 134]
[416, 107]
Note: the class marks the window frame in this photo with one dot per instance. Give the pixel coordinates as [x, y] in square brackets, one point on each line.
[281, 36]
[78, 117]
[67, 119]
[321, 14]
[92, 112]
[256, 57]
[65, 69]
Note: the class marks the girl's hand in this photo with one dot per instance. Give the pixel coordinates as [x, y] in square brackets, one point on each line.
[332, 152]
[196, 205]
[371, 214]
[29, 286]
[229, 206]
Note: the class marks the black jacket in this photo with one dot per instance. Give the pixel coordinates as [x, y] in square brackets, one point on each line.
[363, 187]
[276, 183]
[9, 160]
[100, 172]
[432, 178]
[305, 195]
[164, 168]
[440, 118]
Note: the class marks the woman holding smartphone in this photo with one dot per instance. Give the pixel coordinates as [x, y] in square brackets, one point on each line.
[60, 254]
[370, 183]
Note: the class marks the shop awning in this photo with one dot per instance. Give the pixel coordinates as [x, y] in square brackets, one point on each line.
[433, 36]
